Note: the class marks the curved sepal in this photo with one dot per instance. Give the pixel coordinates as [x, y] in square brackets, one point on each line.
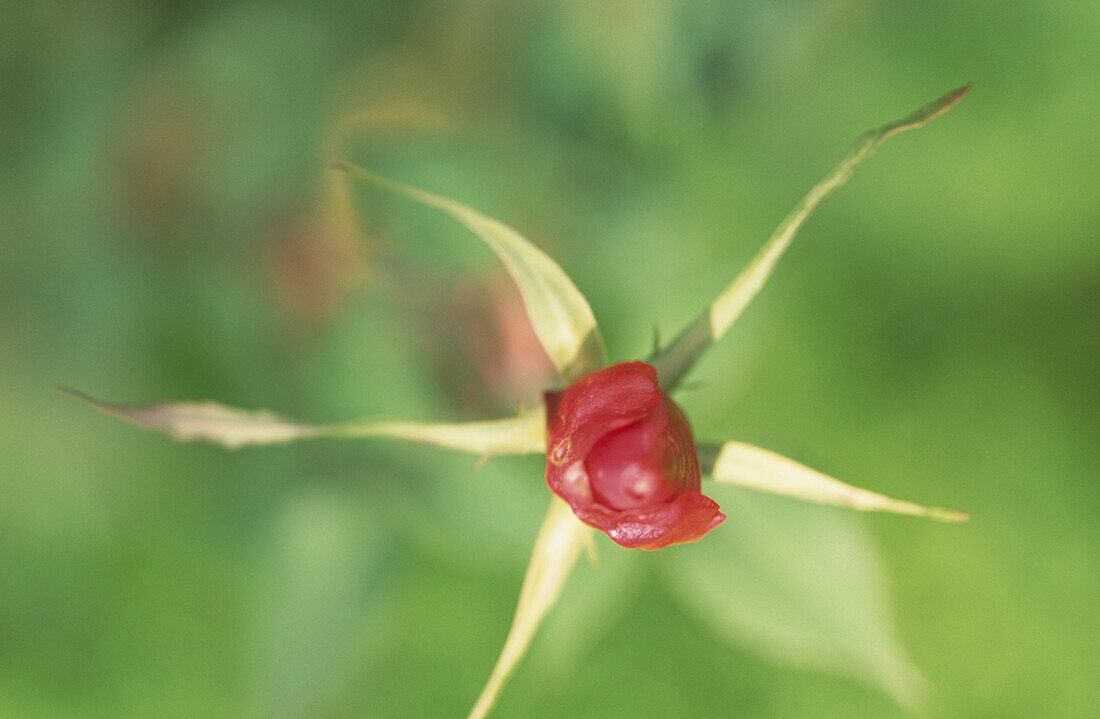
[557, 547]
[233, 428]
[747, 466]
[559, 312]
[679, 357]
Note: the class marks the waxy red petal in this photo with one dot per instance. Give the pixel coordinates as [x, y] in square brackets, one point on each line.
[686, 519]
[615, 425]
[600, 402]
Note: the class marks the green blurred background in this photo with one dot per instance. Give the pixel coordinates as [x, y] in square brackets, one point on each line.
[169, 230]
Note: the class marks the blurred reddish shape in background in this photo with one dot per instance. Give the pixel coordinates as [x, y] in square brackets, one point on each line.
[315, 260]
[485, 349]
[157, 154]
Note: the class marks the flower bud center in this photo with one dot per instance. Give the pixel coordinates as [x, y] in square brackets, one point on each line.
[636, 466]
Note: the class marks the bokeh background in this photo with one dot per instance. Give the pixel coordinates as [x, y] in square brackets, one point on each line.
[169, 229]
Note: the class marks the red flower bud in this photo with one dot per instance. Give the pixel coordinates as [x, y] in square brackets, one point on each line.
[621, 453]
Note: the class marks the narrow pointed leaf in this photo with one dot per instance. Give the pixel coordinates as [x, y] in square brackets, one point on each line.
[234, 428]
[676, 360]
[747, 466]
[559, 543]
[800, 586]
[204, 421]
[559, 313]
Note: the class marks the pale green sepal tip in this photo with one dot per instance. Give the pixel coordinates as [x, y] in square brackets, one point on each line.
[234, 428]
[743, 465]
[676, 360]
[559, 313]
[204, 421]
[557, 547]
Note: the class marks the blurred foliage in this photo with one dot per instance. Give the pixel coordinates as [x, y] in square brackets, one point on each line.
[169, 229]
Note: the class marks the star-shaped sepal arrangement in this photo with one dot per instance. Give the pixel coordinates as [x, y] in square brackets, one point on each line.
[621, 457]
